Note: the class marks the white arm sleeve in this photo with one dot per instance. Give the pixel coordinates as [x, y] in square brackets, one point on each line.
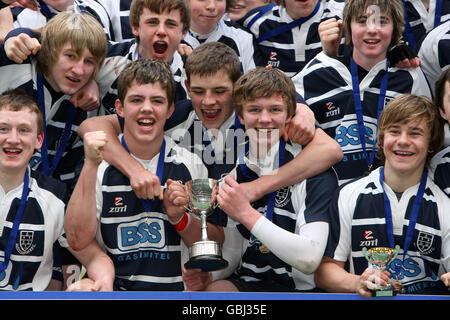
[303, 251]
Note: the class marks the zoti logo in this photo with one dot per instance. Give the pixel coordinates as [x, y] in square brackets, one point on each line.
[273, 59]
[369, 240]
[118, 206]
[332, 110]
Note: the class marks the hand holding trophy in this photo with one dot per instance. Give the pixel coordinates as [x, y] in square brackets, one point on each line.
[204, 254]
[379, 258]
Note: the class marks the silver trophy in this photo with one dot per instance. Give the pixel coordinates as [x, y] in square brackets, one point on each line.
[204, 254]
[379, 258]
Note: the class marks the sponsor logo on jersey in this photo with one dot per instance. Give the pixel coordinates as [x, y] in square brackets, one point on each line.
[25, 244]
[144, 233]
[332, 110]
[118, 207]
[369, 240]
[273, 60]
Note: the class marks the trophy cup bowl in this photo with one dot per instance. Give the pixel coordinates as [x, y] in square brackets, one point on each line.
[379, 258]
[204, 254]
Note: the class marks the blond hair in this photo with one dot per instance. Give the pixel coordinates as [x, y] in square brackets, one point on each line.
[81, 30]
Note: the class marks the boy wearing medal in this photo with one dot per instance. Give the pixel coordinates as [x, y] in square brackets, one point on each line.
[72, 50]
[33, 206]
[354, 88]
[146, 239]
[283, 235]
[397, 204]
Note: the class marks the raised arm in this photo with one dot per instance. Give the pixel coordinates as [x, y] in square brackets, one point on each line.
[145, 184]
[80, 222]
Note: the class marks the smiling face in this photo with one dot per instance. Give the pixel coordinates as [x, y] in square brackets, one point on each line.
[265, 120]
[159, 34]
[145, 110]
[406, 148]
[19, 139]
[445, 112]
[205, 15]
[71, 71]
[211, 97]
[371, 38]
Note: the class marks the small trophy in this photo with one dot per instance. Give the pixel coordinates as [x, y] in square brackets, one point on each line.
[204, 254]
[379, 258]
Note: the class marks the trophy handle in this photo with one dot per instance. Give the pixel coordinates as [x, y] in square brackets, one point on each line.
[366, 255]
[396, 251]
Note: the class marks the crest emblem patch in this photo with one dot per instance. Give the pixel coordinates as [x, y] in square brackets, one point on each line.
[25, 245]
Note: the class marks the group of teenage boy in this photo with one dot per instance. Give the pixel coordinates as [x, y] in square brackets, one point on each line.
[338, 146]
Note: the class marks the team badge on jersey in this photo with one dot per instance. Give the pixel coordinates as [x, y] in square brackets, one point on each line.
[282, 197]
[424, 242]
[25, 245]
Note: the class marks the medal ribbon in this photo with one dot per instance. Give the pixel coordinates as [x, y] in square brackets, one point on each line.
[408, 30]
[286, 27]
[358, 106]
[245, 171]
[15, 229]
[66, 133]
[414, 213]
[147, 203]
[207, 141]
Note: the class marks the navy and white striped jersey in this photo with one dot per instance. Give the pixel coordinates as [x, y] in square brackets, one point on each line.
[357, 220]
[326, 85]
[118, 57]
[147, 251]
[118, 12]
[440, 169]
[27, 18]
[31, 264]
[295, 206]
[57, 108]
[219, 153]
[233, 35]
[434, 53]
[292, 49]
[421, 20]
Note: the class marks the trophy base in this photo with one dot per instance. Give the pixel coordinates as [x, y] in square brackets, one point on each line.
[206, 255]
[384, 293]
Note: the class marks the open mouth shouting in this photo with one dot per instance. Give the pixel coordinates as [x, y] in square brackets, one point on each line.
[160, 48]
[211, 114]
[146, 123]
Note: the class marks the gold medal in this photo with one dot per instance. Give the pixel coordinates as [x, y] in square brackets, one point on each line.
[263, 248]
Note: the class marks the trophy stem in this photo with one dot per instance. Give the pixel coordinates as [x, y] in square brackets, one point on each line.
[204, 227]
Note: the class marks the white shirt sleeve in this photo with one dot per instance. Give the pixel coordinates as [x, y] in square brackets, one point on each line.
[303, 251]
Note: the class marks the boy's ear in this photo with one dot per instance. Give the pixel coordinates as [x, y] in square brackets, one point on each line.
[442, 112]
[186, 83]
[241, 119]
[135, 30]
[39, 141]
[119, 107]
[171, 110]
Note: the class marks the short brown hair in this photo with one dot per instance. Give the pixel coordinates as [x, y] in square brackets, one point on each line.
[17, 100]
[81, 30]
[264, 83]
[211, 57]
[408, 108]
[145, 71]
[159, 6]
[439, 89]
[355, 8]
